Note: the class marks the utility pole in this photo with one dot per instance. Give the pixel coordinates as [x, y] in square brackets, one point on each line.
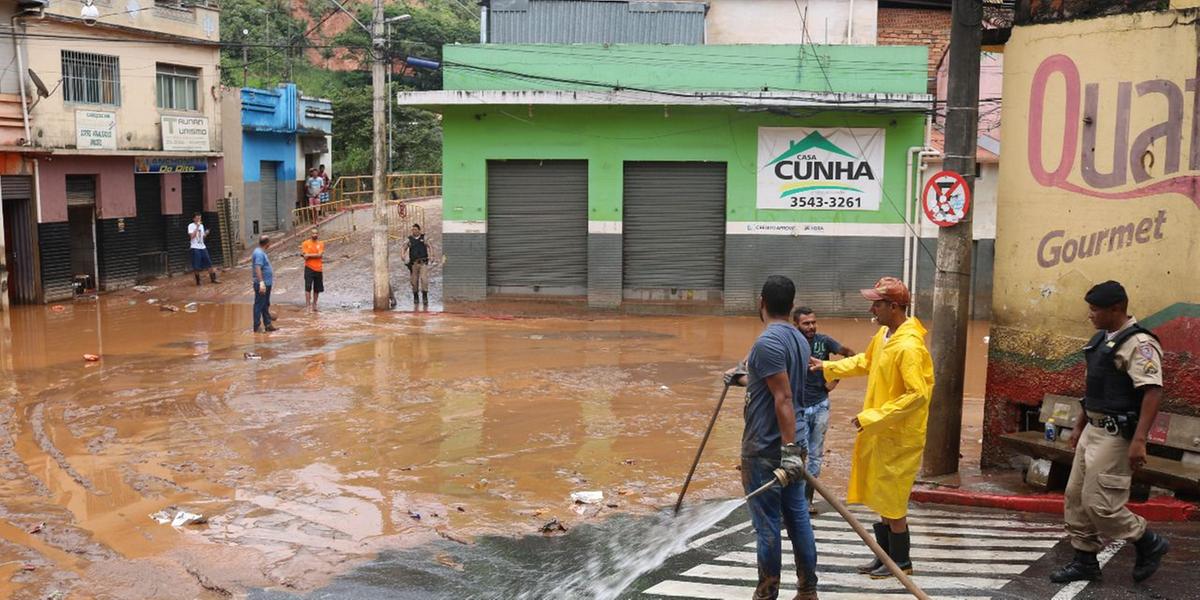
[952, 281]
[379, 241]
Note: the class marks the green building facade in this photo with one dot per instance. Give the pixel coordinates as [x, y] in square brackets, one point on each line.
[678, 174]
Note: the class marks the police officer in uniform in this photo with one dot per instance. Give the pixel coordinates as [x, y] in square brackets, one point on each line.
[1124, 388]
[416, 252]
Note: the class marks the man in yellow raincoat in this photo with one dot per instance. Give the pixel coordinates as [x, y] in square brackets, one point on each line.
[891, 425]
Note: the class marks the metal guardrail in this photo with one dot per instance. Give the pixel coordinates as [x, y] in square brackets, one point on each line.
[400, 186]
[353, 190]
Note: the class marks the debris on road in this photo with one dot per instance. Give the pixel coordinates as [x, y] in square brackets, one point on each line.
[38, 527]
[58, 308]
[169, 307]
[177, 518]
[143, 288]
[553, 526]
[91, 357]
[587, 497]
[448, 561]
[251, 356]
[191, 307]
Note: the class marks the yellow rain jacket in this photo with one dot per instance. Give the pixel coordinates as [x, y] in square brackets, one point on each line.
[887, 452]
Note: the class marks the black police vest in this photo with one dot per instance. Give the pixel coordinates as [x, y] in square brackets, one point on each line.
[416, 247]
[1109, 389]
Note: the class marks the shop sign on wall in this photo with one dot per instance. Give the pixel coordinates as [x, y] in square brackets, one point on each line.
[185, 134]
[803, 168]
[95, 130]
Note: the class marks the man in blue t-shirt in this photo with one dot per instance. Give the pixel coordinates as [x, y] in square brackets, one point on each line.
[816, 391]
[774, 438]
[263, 278]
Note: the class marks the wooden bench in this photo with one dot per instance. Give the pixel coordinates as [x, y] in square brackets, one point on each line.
[1173, 444]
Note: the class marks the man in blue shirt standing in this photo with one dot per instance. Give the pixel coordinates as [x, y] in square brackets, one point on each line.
[263, 278]
[816, 392]
[774, 438]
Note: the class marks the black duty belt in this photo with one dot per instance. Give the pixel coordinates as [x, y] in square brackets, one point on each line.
[1111, 424]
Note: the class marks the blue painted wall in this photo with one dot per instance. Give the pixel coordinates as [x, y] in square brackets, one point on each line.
[259, 146]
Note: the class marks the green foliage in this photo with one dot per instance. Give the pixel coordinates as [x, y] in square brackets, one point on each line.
[416, 134]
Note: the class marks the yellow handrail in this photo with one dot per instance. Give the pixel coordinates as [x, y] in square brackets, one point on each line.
[400, 186]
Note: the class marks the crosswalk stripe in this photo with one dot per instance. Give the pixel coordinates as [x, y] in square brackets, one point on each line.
[938, 540]
[823, 560]
[927, 553]
[992, 524]
[853, 580]
[1054, 534]
[709, 591]
[698, 542]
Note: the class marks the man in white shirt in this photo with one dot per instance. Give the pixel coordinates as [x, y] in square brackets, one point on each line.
[200, 259]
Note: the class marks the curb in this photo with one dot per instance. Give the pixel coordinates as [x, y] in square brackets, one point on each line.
[1159, 508]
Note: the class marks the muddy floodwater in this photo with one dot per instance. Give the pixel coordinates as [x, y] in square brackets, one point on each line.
[347, 434]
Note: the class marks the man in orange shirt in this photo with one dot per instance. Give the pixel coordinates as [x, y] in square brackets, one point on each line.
[313, 251]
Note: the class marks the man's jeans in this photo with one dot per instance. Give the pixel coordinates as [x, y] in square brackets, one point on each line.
[262, 307]
[769, 511]
[817, 418]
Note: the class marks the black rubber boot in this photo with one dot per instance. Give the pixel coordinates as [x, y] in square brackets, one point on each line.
[1084, 567]
[425, 298]
[416, 299]
[197, 274]
[212, 276]
[881, 538]
[1150, 549]
[898, 547]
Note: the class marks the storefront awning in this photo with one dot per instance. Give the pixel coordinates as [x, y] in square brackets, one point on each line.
[783, 99]
[154, 153]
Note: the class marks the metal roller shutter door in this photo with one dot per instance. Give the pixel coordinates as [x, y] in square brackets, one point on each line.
[537, 226]
[674, 229]
[16, 187]
[269, 191]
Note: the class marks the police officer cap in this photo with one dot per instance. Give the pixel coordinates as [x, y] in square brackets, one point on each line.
[1104, 295]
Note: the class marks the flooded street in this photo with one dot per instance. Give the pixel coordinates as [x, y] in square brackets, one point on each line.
[353, 434]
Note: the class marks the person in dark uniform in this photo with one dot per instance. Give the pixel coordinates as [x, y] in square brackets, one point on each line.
[417, 252]
[1124, 388]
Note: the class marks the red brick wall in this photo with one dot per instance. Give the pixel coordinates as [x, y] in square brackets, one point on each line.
[928, 27]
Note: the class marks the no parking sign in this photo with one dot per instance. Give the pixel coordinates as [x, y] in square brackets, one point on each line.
[946, 198]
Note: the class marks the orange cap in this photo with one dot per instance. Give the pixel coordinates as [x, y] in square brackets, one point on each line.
[890, 289]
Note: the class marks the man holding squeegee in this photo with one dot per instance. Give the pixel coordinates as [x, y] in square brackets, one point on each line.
[774, 438]
[891, 426]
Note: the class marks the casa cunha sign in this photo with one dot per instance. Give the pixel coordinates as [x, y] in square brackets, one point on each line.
[802, 168]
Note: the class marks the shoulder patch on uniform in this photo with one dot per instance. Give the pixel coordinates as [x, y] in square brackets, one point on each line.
[1150, 369]
[1146, 350]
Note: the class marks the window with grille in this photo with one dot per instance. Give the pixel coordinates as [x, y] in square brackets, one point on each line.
[91, 78]
[177, 87]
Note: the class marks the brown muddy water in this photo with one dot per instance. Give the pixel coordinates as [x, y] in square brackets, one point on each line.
[353, 433]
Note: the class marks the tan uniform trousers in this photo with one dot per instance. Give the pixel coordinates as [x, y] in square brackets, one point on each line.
[420, 276]
[1098, 490]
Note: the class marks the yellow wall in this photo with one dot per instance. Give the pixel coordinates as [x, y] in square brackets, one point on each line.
[138, 117]
[1150, 58]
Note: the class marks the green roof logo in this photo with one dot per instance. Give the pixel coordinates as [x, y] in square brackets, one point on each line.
[812, 141]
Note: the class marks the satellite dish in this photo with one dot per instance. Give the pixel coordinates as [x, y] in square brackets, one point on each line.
[42, 90]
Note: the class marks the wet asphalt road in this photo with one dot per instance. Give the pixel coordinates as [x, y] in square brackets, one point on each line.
[962, 553]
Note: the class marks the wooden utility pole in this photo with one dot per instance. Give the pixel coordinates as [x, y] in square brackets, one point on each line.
[379, 239]
[952, 281]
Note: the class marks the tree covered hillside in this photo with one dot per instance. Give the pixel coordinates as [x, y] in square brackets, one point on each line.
[268, 42]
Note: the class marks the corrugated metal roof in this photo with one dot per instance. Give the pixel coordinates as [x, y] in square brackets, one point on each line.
[595, 22]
